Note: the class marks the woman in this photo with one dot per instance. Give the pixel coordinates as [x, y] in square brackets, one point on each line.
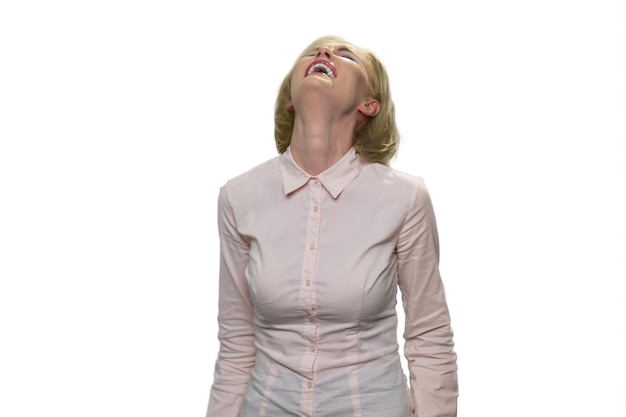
[314, 244]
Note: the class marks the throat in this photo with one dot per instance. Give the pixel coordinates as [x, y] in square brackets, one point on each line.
[315, 148]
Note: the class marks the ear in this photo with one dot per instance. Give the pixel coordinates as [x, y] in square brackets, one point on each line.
[290, 106]
[369, 107]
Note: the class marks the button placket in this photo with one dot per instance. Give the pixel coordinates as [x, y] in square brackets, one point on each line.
[307, 295]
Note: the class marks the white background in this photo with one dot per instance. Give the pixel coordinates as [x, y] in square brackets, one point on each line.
[120, 120]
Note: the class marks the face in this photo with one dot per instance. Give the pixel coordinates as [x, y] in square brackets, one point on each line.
[332, 71]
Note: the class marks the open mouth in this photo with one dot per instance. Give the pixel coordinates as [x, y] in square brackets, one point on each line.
[321, 67]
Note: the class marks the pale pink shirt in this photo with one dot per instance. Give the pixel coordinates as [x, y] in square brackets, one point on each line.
[309, 271]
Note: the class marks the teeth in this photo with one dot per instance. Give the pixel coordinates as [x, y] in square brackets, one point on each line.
[320, 67]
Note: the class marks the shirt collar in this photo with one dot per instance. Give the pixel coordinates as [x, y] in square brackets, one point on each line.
[335, 179]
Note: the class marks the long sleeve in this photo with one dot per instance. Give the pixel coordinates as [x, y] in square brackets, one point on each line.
[236, 334]
[429, 346]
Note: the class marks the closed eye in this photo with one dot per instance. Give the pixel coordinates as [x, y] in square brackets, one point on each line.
[347, 53]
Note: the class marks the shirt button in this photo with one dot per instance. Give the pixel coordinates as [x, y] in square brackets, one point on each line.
[315, 180]
[311, 317]
[309, 384]
[315, 208]
[312, 246]
[312, 348]
[307, 282]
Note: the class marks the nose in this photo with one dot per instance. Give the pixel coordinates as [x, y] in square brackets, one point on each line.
[323, 52]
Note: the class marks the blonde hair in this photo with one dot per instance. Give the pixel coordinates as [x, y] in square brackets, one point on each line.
[377, 140]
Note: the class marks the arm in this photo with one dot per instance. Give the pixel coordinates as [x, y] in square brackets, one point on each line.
[429, 347]
[236, 334]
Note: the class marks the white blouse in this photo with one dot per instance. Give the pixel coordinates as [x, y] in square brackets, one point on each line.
[309, 271]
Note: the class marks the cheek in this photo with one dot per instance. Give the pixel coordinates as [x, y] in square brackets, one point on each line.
[366, 80]
[297, 75]
[360, 85]
[299, 70]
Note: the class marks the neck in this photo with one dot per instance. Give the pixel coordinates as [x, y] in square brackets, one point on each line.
[320, 139]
